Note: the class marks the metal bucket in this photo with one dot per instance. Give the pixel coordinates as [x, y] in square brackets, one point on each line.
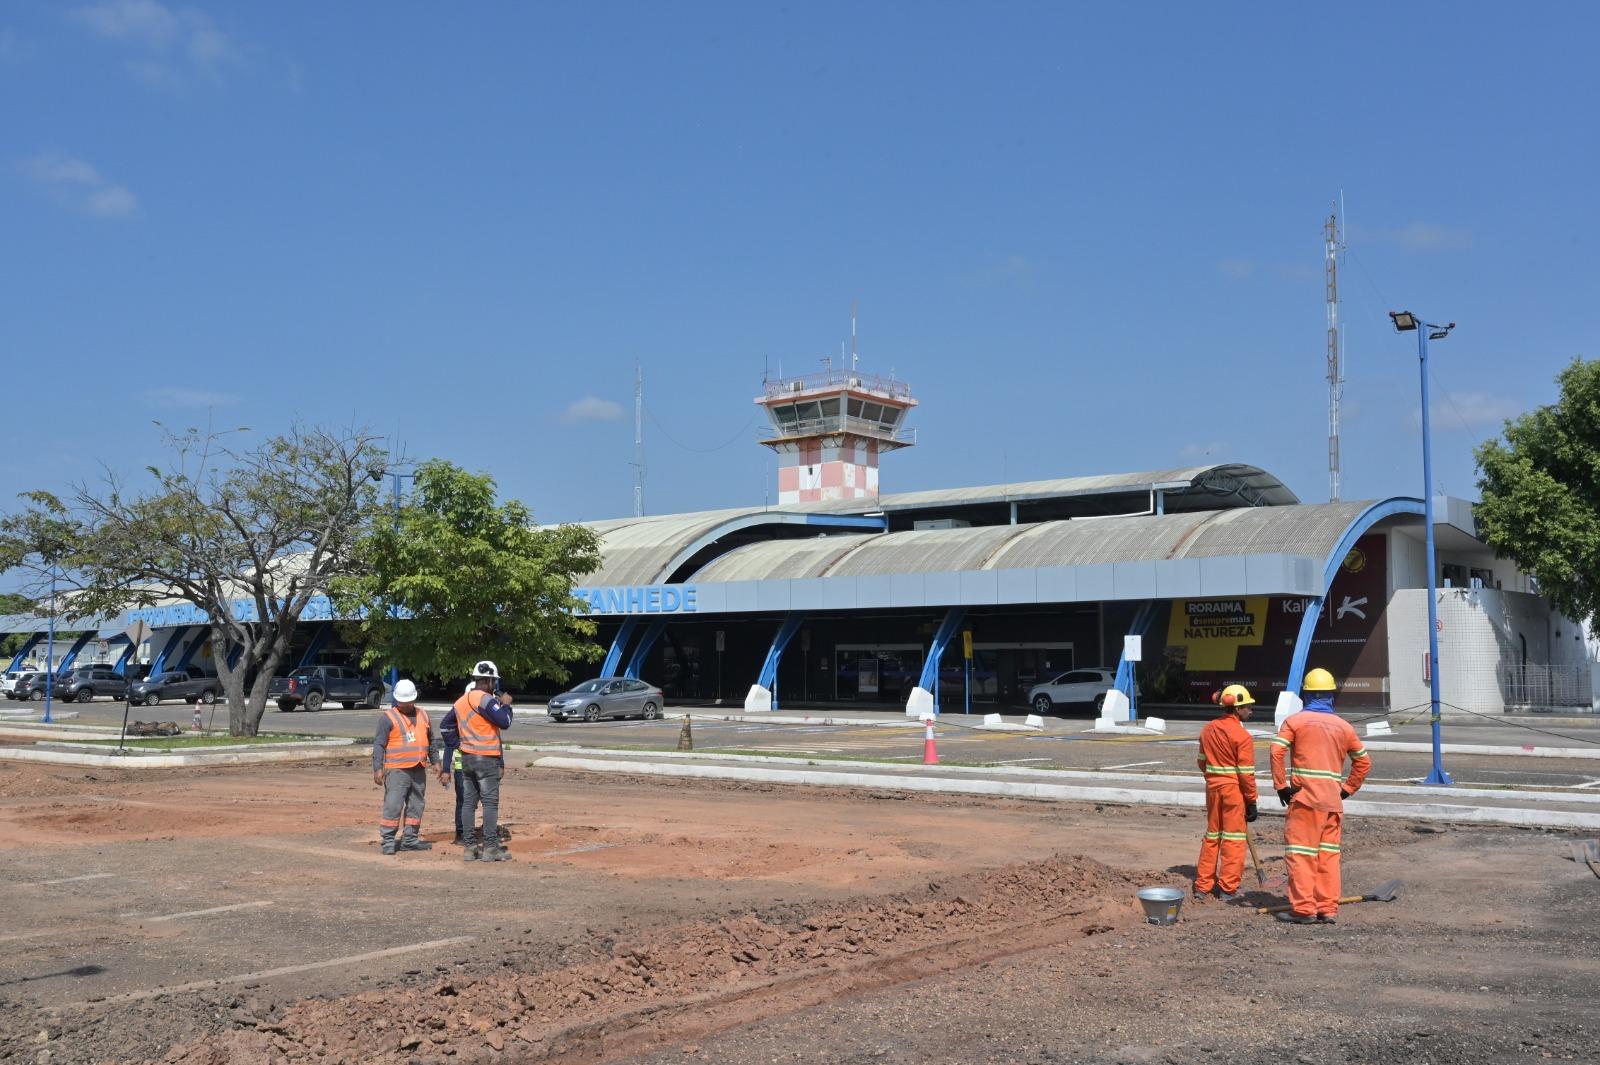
[1161, 904]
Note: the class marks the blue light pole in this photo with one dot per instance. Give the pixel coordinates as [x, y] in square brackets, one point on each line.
[1405, 322]
[393, 676]
[50, 650]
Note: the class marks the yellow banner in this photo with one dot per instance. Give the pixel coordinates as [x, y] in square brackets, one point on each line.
[1215, 629]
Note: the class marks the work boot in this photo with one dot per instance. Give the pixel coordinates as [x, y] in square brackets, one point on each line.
[1229, 896]
[1288, 917]
[1326, 918]
[386, 841]
[388, 847]
[458, 841]
[415, 844]
[496, 854]
[470, 852]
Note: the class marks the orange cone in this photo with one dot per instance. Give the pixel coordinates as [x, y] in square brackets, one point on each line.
[930, 752]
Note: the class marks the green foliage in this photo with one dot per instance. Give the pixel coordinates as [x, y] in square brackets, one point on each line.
[270, 525]
[459, 577]
[1541, 493]
[10, 603]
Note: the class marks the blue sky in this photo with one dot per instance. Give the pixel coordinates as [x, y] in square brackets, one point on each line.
[1090, 237]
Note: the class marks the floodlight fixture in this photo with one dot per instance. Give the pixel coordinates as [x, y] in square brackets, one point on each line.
[1404, 321]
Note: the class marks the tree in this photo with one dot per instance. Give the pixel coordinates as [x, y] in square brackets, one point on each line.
[11, 603]
[1541, 493]
[247, 536]
[455, 577]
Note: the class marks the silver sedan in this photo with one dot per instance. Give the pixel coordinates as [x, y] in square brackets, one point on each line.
[608, 697]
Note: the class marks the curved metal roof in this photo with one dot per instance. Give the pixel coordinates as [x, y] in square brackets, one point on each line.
[1252, 485]
[1303, 529]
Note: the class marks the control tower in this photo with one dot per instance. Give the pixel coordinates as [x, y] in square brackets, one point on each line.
[829, 429]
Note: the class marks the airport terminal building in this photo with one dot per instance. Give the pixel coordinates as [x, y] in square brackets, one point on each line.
[840, 595]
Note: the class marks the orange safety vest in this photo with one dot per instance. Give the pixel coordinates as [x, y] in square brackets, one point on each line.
[1314, 746]
[479, 735]
[408, 740]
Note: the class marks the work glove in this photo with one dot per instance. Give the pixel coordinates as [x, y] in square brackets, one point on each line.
[1250, 812]
[1285, 794]
[1343, 794]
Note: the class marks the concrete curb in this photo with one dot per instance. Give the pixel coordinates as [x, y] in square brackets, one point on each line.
[1520, 816]
[1264, 782]
[142, 751]
[773, 718]
[176, 761]
[1528, 751]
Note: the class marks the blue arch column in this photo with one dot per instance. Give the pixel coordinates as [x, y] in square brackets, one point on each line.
[1387, 508]
[72, 655]
[646, 643]
[619, 644]
[769, 666]
[120, 669]
[33, 641]
[946, 632]
[194, 645]
[314, 647]
[1125, 672]
[158, 664]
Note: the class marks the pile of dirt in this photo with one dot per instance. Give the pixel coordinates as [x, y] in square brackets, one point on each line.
[524, 1015]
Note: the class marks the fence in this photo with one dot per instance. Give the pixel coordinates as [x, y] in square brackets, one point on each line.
[1547, 688]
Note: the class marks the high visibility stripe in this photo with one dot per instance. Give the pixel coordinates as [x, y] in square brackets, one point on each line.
[1213, 835]
[1229, 770]
[1280, 741]
[1334, 847]
[1362, 753]
[1309, 852]
[389, 824]
[1320, 774]
[1240, 836]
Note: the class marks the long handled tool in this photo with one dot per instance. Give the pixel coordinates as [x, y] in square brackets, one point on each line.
[1587, 852]
[1385, 892]
[1255, 859]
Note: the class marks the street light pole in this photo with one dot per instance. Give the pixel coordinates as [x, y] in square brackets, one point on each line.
[393, 676]
[50, 650]
[1404, 321]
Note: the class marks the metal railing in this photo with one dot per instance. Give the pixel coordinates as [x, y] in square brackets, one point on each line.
[855, 379]
[1540, 687]
[838, 424]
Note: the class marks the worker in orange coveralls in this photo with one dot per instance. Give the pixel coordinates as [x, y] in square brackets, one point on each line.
[1308, 756]
[1228, 760]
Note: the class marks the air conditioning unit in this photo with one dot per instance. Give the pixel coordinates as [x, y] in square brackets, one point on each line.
[797, 386]
[941, 523]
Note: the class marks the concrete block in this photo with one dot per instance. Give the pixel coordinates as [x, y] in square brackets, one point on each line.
[1288, 704]
[1114, 710]
[1034, 721]
[992, 719]
[1379, 728]
[1156, 724]
[758, 699]
[920, 704]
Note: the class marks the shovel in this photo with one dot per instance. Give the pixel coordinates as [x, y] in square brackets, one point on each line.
[1587, 852]
[1385, 892]
[1255, 859]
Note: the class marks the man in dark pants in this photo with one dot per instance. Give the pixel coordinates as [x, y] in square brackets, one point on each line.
[477, 719]
[452, 743]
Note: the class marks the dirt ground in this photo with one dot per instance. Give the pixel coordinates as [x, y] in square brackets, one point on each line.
[244, 915]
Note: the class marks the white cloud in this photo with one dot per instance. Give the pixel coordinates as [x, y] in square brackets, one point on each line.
[187, 397]
[75, 183]
[1469, 411]
[1236, 269]
[592, 409]
[1416, 236]
[170, 40]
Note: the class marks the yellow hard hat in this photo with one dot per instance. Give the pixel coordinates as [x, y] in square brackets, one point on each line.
[1319, 680]
[1234, 695]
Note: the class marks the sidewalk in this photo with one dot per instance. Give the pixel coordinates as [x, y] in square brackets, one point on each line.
[1525, 809]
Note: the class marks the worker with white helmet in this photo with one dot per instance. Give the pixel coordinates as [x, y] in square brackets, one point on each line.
[402, 750]
[473, 726]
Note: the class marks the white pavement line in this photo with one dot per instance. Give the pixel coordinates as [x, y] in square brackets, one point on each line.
[268, 974]
[1131, 765]
[201, 913]
[71, 879]
[1591, 754]
[1591, 784]
[1062, 792]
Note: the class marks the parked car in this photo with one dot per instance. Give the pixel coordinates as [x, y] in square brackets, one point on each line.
[190, 685]
[1077, 686]
[314, 685]
[8, 683]
[29, 685]
[608, 697]
[84, 683]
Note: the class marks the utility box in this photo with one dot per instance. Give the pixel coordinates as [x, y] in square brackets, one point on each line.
[941, 523]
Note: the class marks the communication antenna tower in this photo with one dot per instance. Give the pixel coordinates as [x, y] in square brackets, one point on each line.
[1333, 238]
[854, 357]
[638, 441]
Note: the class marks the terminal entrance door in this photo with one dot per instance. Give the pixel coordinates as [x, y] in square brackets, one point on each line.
[1002, 673]
[876, 672]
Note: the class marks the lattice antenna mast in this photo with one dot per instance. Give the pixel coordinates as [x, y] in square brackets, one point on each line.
[1333, 239]
[638, 441]
[854, 357]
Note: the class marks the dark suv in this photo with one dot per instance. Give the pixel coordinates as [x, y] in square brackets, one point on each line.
[30, 686]
[85, 682]
[314, 685]
[190, 685]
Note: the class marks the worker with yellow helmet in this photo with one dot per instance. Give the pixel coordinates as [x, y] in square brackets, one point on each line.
[1308, 756]
[1228, 760]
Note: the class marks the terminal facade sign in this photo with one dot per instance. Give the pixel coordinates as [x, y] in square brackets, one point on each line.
[641, 599]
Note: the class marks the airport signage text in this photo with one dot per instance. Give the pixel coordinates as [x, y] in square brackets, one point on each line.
[641, 599]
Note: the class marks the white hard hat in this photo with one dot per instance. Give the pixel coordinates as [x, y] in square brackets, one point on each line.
[405, 692]
[486, 668]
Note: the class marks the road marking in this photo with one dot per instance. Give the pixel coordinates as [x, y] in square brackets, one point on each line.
[1019, 761]
[1130, 765]
[580, 848]
[268, 974]
[1591, 784]
[72, 879]
[200, 913]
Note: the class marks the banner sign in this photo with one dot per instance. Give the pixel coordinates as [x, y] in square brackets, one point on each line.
[641, 599]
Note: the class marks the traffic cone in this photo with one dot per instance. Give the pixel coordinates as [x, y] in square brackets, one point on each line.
[930, 752]
[685, 736]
